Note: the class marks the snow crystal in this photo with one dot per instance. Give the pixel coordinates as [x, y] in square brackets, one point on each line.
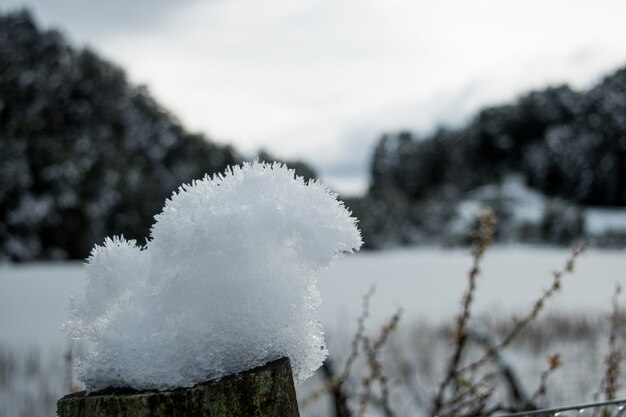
[227, 282]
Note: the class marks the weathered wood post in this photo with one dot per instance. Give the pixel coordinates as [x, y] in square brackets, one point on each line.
[267, 391]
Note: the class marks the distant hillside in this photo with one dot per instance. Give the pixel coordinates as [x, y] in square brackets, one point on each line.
[570, 146]
[83, 154]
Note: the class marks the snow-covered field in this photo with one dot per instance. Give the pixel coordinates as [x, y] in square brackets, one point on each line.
[426, 283]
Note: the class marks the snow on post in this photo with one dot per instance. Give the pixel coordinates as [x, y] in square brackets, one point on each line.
[226, 283]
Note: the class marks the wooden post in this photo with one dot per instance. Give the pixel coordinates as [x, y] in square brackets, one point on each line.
[267, 391]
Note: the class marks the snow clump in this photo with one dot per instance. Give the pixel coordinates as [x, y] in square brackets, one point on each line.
[226, 283]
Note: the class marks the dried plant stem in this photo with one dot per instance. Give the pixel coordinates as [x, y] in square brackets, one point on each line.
[482, 240]
[359, 335]
[610, 381]
[469, 387]
[376, 373]
[614, 358]
[522, 323]
[555, 363]
[336, 384]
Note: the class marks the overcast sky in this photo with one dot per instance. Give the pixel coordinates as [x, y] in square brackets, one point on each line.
[323, 79]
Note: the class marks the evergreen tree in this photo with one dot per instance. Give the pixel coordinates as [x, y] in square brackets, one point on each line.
[83, 153]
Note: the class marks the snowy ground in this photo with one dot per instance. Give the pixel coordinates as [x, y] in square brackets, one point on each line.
[528, 205]
[426, 283]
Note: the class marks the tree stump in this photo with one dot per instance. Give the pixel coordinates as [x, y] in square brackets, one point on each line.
[267, 391]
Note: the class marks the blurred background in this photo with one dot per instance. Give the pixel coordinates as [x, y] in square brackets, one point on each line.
[420, 114]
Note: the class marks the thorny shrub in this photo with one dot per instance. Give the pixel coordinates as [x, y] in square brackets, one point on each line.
[475, 371]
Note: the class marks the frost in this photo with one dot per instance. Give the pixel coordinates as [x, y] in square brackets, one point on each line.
[227, 282]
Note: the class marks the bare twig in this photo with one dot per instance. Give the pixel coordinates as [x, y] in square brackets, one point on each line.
[614, 358]
[610, 381]
[481, 241]
[554, 362]
[538, 306]
[336, 384]
[372, 351]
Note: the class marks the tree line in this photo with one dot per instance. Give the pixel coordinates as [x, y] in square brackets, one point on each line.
[84, 154]
[564, 143]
